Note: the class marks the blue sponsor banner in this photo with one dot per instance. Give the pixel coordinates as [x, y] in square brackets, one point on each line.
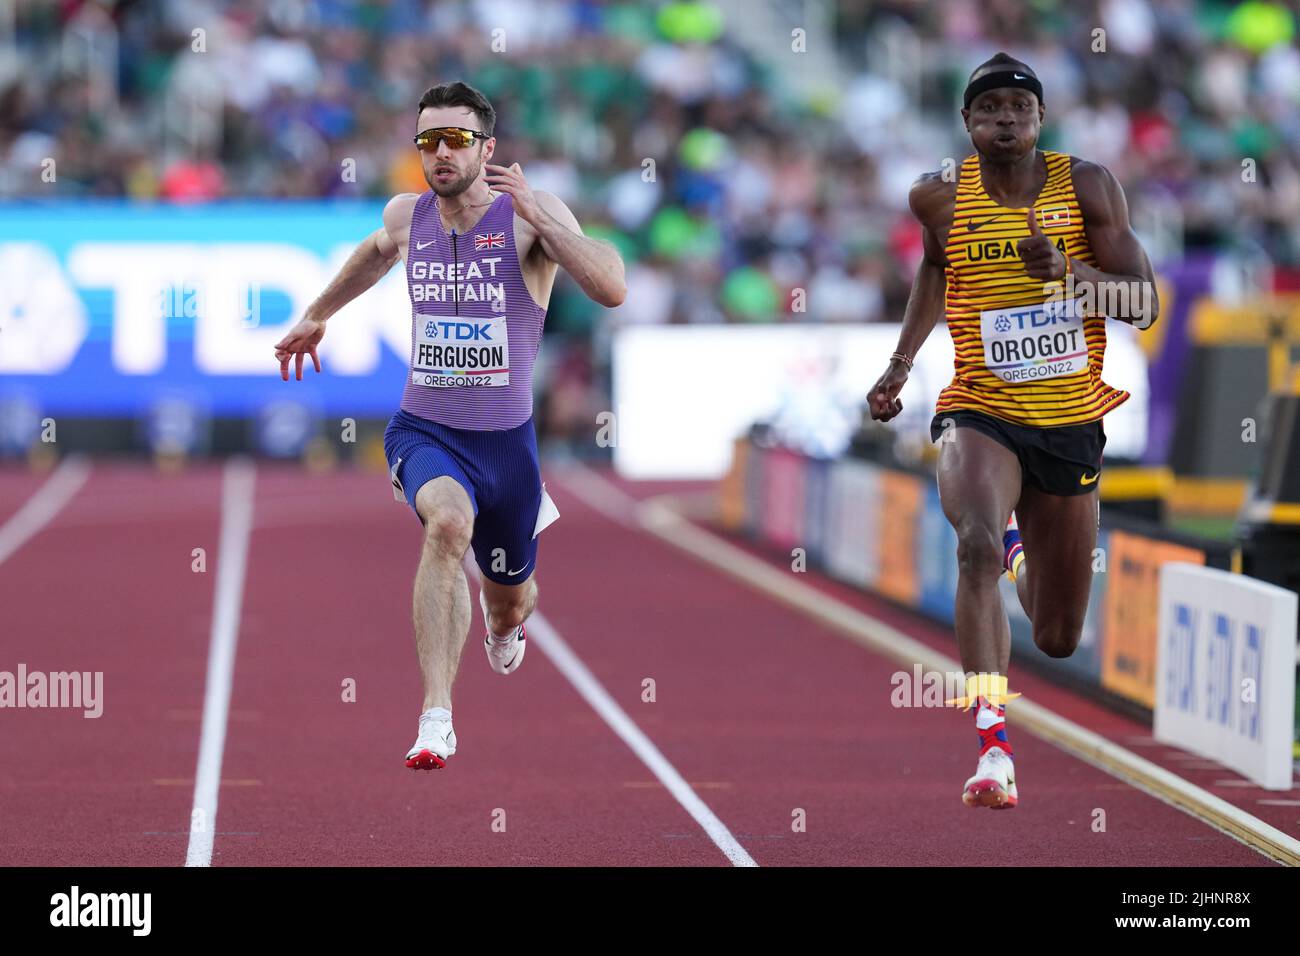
[936, 558]
[110, 307]
[842, 500]
[817, 481]
[840, 538]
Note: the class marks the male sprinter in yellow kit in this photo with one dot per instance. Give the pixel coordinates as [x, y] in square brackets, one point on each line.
[1018, 252]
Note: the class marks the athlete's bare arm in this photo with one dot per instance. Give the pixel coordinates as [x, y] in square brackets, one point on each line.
[369, 263]
[397, 223]
[931, 200]
[549, 227]
[1122, 263]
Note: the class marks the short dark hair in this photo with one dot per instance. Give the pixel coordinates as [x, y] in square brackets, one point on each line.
[460, 94]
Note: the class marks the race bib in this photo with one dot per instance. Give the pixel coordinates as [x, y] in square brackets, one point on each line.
[455, 351]
[1034, 342]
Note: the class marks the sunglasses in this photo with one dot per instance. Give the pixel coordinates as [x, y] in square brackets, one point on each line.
[454, 136]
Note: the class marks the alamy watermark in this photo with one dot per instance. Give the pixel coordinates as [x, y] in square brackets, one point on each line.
[1127, 300]
[70, 689]
[929, 688]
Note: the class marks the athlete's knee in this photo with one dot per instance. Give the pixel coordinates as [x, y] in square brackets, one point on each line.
[1058, 636]
[447, 529]
[979, 549]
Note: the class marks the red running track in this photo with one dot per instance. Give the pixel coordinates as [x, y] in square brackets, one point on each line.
[764, 712]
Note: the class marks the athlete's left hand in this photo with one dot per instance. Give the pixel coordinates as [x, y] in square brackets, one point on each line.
[1041, 257]
[510, 179]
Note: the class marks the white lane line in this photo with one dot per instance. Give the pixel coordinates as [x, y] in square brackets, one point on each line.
[599, 494]
[657, 518]
[586, 684]
[43, 506]
[232, 559]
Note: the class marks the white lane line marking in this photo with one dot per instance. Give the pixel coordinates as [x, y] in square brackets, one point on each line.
[586, 684]
[657, 518]
[232, 559]
[599, 494]
[43, 506]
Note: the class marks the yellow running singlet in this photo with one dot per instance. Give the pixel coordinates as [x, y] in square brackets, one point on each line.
[1022, 355]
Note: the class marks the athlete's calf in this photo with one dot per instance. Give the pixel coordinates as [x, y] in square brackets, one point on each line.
[508, 605]
[1059, 533]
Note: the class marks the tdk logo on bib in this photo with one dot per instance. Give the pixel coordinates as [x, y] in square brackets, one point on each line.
[1030, 343]
[459, 330]
[454, 351]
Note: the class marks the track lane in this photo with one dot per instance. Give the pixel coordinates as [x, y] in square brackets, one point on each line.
[784, 715]
[318, 780]
[797, 718]
[108, 586]
[17, 484]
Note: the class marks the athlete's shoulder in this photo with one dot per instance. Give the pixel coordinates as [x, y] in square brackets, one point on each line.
[931, 197]
[398, 210]
[1095, 186]
[1092, 181]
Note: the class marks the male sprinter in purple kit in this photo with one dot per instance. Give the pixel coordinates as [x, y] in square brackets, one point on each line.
[481, 249]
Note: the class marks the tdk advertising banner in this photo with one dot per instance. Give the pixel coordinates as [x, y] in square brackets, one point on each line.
[107, 308]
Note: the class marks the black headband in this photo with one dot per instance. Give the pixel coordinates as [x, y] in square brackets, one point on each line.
[1001, 78]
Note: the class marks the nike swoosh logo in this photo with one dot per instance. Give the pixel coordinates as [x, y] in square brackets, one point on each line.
[511, 574]
[1017, 76]
[972, 225]
[1085, 480]
[421, 245]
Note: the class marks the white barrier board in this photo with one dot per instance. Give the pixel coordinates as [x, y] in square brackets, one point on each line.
[1225, 670]
[682, 393]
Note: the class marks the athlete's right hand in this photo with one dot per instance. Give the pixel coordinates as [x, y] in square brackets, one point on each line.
[301, 340]
[883, 399]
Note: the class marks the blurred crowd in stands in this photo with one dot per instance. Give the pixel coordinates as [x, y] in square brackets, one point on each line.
[748, 174]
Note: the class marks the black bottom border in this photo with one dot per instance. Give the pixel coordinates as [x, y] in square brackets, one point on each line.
[943, 905]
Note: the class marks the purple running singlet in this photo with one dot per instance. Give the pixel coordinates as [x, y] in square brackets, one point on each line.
[475, 327]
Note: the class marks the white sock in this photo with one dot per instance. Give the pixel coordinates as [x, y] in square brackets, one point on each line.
[437, 713]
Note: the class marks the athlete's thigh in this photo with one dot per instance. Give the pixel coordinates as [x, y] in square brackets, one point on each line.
[425, 471]
[505, 547]
[979, 479]
[505, 542]
[1059, 533]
